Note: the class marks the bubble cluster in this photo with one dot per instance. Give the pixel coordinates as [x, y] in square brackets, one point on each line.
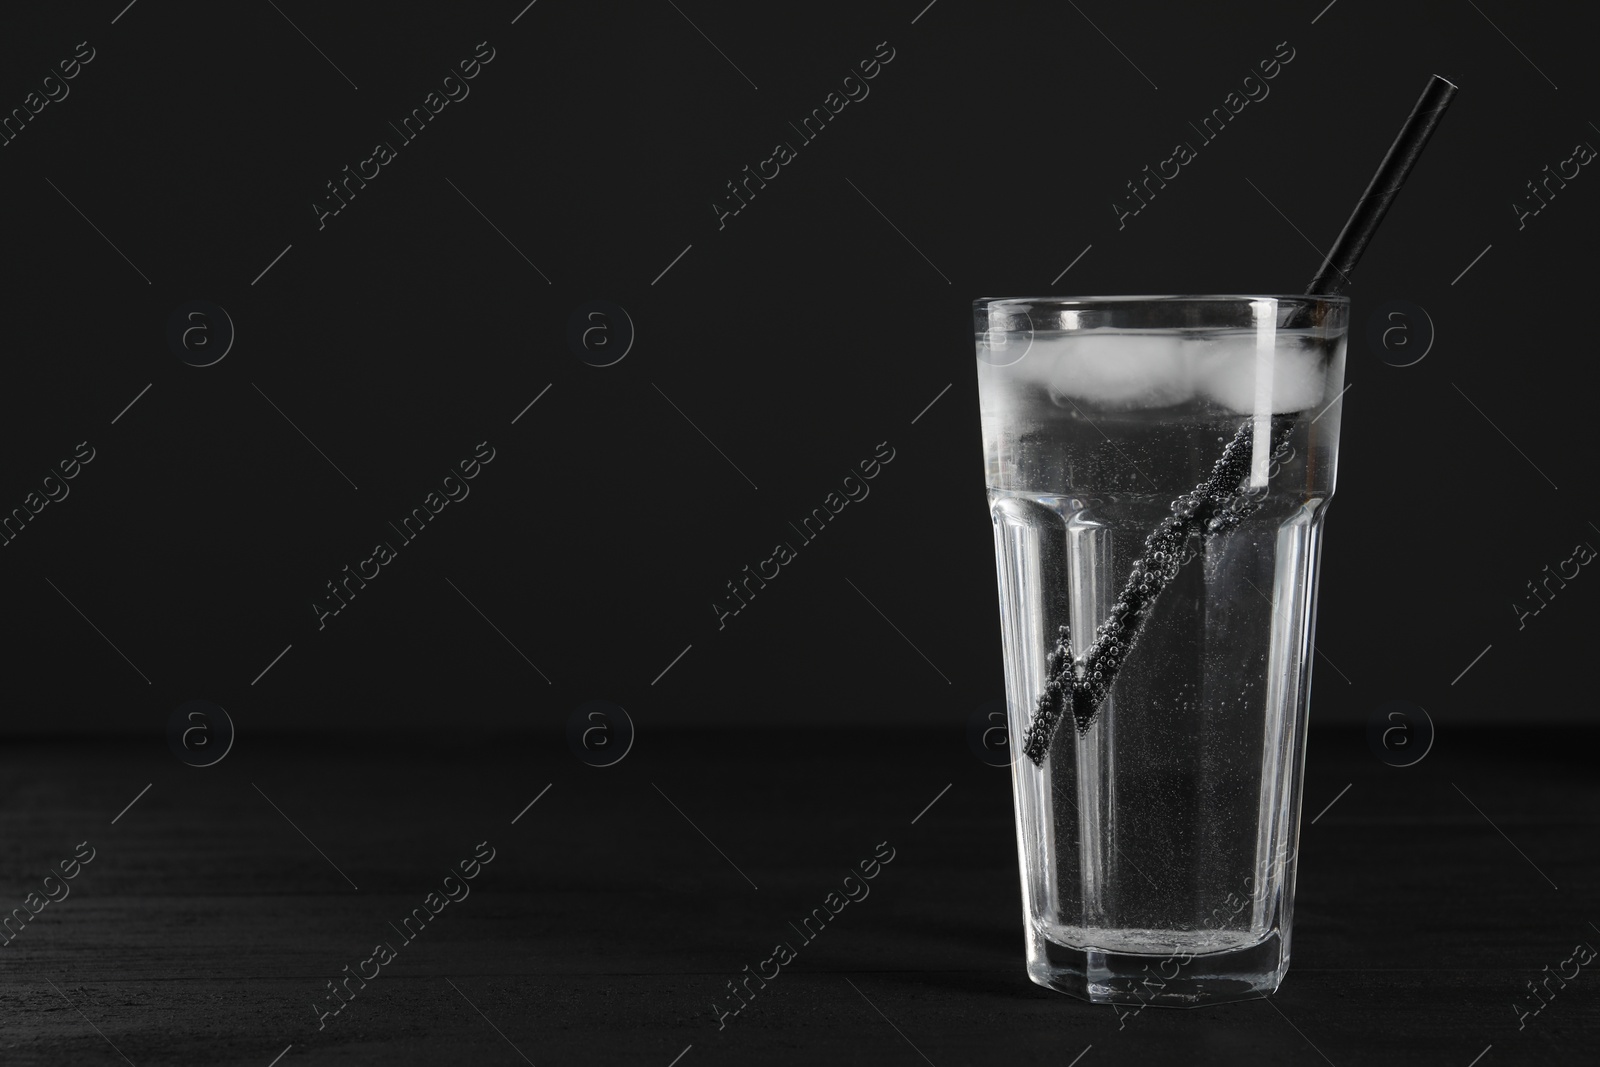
[1079, 684]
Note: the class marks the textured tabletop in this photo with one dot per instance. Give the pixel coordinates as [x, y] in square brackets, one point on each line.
[604, 923]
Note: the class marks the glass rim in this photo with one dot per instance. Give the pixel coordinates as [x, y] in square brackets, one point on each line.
[1305, 299]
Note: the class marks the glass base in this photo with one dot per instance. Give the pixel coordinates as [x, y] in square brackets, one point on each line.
[1177, 980]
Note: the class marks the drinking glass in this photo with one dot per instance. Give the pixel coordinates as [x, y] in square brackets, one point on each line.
[1159, 468]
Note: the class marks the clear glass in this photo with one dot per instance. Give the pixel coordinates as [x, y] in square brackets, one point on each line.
[1157, 846]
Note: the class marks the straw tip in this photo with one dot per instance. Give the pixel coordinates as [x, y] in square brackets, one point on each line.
[1447, 81]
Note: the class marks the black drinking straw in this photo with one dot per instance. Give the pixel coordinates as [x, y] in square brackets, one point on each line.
[1334, 274]
[1076, 685]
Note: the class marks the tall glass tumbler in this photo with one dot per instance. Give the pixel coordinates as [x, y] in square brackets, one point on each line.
[1157, 828]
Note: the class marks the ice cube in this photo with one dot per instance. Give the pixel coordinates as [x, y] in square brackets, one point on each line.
[1117, 370]
[1225, 373]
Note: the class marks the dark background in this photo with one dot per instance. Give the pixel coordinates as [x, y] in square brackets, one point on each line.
[796, 338]
[771, 355]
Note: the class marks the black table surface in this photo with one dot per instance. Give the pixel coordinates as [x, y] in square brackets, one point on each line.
[618, 907]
